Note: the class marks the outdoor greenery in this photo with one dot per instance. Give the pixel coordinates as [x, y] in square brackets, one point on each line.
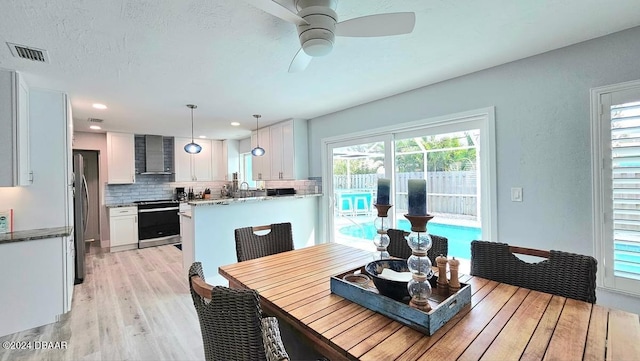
[410, 155]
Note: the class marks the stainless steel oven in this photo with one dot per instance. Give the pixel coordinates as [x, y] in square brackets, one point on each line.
[158, 223]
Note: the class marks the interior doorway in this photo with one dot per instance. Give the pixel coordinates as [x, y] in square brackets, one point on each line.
[91, 173]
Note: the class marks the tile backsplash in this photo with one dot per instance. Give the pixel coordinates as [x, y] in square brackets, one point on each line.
[161, 186]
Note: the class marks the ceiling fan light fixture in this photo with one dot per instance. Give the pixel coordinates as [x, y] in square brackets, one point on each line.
[258, 151]
[317, 47]
[193, 147]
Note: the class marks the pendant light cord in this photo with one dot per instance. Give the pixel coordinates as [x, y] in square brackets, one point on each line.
[257, 129]
[191, 106]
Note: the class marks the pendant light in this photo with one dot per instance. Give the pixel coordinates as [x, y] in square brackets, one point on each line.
[257, 151]
[192, 148]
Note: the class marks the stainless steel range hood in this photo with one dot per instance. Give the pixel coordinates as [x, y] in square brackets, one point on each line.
[154, 155]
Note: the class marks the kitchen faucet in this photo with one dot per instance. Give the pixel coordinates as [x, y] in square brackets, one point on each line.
[244, 191]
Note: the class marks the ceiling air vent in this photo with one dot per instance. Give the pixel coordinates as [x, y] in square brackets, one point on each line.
[95, 120]
[25, 52]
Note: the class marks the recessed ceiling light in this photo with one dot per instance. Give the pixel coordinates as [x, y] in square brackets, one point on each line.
[202, 136]
[235, 124]
[99, 106]
[95, 127]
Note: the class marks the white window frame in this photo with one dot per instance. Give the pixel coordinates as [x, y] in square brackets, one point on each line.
[243, 167]
[601, 100]
[483, 119]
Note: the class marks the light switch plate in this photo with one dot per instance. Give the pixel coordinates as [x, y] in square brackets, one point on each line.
[516, 194]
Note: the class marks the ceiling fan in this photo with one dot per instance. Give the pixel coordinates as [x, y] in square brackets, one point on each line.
[318, 25]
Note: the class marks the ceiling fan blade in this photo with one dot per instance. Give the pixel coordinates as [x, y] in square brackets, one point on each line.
[299, 62]
[278, 11]
[377, 25]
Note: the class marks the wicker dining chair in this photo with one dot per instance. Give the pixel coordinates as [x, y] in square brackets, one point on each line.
[398, 246]
[231, 322]
[250, 245]
[561, 273]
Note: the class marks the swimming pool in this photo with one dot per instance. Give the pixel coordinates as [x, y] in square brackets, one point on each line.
[459, 237]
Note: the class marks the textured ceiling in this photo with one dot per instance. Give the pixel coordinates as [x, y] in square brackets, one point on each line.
[146, 59]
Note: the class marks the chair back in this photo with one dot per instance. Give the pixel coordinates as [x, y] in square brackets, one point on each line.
[561, 273]
[399, 248]
[250, 245]
[230, 319]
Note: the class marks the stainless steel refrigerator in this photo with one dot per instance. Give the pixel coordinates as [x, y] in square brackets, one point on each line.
[80, 214]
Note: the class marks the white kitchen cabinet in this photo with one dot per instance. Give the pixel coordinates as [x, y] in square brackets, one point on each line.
[226, 159]
[261, 166]
[123, 227]
[232, 156]
[121, 164]
[69, 271]
[218, 160]
[288, 145]
[186, 237]
[34, 289]
[193, 167]
[276, 144]
[15, 157]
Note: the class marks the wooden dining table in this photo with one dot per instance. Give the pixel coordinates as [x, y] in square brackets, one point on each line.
[503, 322]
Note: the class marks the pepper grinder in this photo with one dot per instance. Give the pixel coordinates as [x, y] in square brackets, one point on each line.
[441, 262]
[454, 283]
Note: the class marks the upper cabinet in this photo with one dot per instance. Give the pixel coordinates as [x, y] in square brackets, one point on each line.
[193, 167]
[227, 160]
[287, 152]
[15, 159]
[261, 166]
[121, 163]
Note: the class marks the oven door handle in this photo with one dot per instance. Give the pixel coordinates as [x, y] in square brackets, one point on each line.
[158, 209]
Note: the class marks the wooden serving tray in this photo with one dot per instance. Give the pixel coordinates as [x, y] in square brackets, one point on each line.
[444, 305]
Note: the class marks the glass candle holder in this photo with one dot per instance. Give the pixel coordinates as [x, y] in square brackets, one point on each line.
[381, 239]
[419, 263]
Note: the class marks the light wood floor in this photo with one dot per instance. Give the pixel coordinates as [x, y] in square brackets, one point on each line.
[133, 305]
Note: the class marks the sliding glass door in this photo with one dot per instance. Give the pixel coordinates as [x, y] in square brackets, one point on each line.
[356, 167]
[455, 156]
[449, 163]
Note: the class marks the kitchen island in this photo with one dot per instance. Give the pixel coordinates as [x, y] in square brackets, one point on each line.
[207, 227]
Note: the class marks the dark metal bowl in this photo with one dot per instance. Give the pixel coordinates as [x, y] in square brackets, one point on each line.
[393, 289]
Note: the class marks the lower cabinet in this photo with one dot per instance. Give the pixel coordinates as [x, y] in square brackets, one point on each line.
[123, 228]
[69, 271]
[34, 280]
[186, 236]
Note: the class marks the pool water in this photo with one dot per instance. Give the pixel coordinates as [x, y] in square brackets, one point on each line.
[459, 237]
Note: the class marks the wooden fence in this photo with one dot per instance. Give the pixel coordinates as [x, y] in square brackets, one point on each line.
[447, 192]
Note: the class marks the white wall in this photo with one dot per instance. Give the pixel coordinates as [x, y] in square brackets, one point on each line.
[542, 135]
[244, 145]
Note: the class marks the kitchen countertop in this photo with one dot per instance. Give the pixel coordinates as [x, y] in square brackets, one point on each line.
[227, 201]
[117, 205]
[33, 234]
[224, 201]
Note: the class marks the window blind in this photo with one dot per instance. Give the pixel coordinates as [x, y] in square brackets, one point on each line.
[625, 168]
